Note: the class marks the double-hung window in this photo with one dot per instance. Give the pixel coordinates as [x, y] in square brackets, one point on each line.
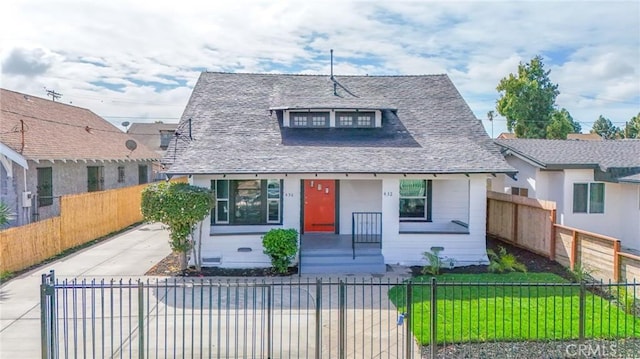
[588, 198]
[246, 202]
[415, 200]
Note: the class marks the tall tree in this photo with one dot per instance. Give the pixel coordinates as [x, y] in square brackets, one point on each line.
[561, 124]
[527, 99]
[605, 128]
[632, 127]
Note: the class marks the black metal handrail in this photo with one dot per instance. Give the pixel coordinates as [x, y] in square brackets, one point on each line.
[366, 227]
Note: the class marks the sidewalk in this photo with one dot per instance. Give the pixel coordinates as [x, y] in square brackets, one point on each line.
[127, 255]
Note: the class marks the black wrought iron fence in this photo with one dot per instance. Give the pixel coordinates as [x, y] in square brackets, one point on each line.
[336, 318]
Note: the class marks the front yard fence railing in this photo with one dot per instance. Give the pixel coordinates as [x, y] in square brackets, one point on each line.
[366, 229]
[341, 318]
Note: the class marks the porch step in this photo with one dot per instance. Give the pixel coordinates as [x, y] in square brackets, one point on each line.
[341, 262]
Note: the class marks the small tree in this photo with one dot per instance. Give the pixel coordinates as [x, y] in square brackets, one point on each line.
[181, 207]
[632, 127]
[281, 245]
[527, 99]
[561, 124]
[605, 128]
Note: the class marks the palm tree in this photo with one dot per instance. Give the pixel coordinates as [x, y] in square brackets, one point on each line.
[5, 214]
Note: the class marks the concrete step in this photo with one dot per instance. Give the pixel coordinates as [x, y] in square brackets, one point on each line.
[341, 263]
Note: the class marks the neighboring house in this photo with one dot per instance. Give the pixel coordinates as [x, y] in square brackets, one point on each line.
[155, 136]
[506, 136]
[595, 184]
[312, 152]
[584, 136]
[50, 149]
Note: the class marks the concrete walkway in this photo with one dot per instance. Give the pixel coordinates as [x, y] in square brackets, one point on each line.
[127, 255]
[371, 329]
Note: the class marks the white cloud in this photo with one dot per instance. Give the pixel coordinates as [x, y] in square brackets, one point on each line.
[593, 49]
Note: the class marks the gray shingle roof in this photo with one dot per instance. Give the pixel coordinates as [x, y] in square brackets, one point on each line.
[603, 155]
[432, 131]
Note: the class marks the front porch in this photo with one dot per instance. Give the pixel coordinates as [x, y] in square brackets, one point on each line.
[337, 253]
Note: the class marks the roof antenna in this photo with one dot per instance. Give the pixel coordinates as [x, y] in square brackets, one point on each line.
[335, 93]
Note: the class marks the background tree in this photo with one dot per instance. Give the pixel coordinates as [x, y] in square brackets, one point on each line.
[182, 208]
[632, 127]
[561, 124]
[605, 128]
[527, 99]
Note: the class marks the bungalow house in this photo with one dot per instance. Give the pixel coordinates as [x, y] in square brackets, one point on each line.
[155, 136]
[50, 149]
[595, 184]
[369, 169]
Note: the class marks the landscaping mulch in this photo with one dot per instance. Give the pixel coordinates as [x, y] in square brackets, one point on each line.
[534, 262]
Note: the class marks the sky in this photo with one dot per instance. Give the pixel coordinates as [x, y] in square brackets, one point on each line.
[138, 61]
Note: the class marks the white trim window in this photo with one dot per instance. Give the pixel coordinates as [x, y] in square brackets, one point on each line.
[309, 119]
[415, 200]
[247, 202]
[360, 119]
[588, 197]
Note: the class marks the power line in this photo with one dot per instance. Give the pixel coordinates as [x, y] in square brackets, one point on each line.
[72, 125]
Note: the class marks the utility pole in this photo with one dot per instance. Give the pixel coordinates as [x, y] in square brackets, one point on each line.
[53, 94]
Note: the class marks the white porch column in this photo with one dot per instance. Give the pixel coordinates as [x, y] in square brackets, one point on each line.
[390, 212]
[477, 207]
[291, 203]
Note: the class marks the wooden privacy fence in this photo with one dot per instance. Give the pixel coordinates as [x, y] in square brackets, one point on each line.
[530, 223]
[83, 218]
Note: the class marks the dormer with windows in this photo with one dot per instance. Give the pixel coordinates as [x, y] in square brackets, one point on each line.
[332, 118]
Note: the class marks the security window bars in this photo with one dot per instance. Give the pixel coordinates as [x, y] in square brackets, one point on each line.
[45, 186]
[243, 202]
[588, 198]
[121, 174]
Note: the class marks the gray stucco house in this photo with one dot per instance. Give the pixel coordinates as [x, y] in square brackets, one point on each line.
[595, 184]
[50, 149]
[371, 170]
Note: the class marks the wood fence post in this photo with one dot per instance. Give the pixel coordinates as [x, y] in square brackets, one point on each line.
[515, 223]
[552, 241]
[616, 261]
[574, 249]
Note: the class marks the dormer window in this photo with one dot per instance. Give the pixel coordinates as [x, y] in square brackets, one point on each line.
[309, 119]
[329, 118]
[355, 119]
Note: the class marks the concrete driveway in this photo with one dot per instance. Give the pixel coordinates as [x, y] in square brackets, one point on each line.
[127, 255]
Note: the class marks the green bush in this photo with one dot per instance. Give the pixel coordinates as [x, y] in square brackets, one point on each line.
[504, 262]
[435, 263]
[281, 245]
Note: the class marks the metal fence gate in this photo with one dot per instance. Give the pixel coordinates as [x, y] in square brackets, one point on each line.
[200, 318]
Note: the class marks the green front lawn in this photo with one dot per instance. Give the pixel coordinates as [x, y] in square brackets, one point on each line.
[490, 311]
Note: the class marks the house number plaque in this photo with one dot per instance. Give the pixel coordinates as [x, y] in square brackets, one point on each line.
[387, 194]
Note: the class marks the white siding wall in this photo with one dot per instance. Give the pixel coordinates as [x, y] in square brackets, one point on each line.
[450, 200]
[527, 176]
[358, 196]
[466, 249]
[630, 215]
[607, 223]
[364, 193]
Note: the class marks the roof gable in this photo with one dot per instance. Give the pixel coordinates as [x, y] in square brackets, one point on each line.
[427, 127]
[559, 154]
[41, 129]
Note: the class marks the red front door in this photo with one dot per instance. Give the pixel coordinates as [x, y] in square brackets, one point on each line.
[319, 206]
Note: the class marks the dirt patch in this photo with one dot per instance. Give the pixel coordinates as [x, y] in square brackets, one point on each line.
[534, 262]
[169, 267]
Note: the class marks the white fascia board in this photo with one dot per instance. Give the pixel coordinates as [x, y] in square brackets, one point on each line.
[13, 156]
